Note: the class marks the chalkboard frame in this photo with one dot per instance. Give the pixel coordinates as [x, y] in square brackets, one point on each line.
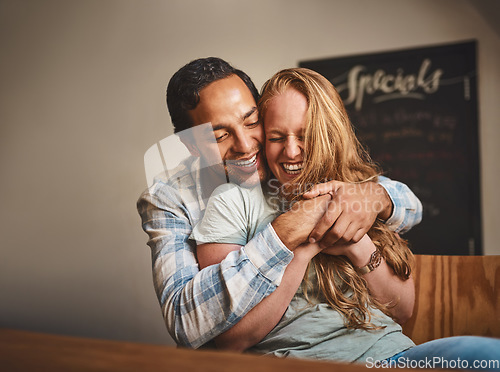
[336, 70]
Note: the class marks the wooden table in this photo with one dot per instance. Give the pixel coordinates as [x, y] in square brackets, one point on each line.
[28, 351]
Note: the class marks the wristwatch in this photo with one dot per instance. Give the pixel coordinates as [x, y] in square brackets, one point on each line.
[375, 260]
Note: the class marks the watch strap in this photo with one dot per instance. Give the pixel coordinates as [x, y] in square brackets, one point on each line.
[375, 261]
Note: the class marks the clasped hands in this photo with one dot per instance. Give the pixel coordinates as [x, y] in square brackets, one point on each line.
[335, 215]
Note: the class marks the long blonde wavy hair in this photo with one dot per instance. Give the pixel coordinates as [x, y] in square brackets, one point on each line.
[332, 152]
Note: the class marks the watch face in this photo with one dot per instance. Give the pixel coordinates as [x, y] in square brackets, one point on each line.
[376, 259]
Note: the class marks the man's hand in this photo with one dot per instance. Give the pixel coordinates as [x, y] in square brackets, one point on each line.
[351, 212]
[293, 227]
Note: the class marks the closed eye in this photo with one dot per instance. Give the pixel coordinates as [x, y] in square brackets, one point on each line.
[221, 138]
[253, 125]
[276, 139]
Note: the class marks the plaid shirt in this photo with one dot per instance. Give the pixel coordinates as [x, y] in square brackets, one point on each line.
[198, 305]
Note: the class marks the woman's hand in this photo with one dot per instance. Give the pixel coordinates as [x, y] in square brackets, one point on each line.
[306, 251]
[358, 253]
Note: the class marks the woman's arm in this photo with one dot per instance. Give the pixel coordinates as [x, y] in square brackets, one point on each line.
[259, 321]
[383, 284]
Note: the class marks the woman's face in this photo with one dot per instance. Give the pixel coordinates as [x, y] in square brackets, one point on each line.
[284, 125]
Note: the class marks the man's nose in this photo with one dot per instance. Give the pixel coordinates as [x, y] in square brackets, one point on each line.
[292, 148]
[242, 142]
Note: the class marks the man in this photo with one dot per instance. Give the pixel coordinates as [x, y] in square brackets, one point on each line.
[199, 305]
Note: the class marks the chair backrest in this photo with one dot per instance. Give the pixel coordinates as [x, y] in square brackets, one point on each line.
[455, 295]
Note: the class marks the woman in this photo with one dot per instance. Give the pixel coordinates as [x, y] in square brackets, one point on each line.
[346, 310]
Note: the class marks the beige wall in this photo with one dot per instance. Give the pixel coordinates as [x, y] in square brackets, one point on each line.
[82, 98]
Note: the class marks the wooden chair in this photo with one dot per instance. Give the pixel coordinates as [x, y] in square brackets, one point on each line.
[455, 295]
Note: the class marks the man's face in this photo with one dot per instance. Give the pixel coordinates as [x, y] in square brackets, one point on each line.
[231, 109]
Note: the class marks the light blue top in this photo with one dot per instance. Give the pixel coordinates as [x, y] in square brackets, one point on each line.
[234, 215]
[316, 331]
[309, 329]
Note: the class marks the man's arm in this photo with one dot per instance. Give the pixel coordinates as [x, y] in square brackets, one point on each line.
[354, 208]
[259, 321]
[199, 305]
[406, 207]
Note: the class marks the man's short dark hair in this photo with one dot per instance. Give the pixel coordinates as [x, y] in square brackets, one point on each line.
[183, 90]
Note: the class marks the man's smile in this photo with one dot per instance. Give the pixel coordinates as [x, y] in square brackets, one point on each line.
[244, 162]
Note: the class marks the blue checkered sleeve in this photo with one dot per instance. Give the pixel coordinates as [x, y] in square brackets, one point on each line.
[198, 305]
[407, 208]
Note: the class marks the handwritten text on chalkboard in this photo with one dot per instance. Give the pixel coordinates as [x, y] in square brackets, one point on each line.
[393, 86]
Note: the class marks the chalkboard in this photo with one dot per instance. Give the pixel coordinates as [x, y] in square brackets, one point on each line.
[415, 111]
